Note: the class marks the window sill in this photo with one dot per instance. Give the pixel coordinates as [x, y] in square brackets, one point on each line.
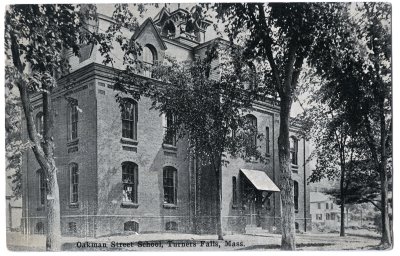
[169, 147]
[128, 141]
[295, 168]
[129, 205]
[170, 206]
[73, 142]
[74, 205]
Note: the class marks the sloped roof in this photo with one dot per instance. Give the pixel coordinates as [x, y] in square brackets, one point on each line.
[149, 22]
[260, 180]
[319, 197]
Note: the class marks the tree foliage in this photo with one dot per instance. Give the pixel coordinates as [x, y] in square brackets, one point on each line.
[39, 39]
[358, 74]
[208, 102]
[362, 184]
[14, 143]
[283, 36]
[211, 112]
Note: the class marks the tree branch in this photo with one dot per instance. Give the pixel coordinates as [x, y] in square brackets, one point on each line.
[287, 88]
[371, 142]
[26, 104]
[268, 45]
[373, 203]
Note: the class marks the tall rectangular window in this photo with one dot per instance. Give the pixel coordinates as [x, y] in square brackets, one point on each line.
[74, 181]
[40, 123]
[234, 191]
[170, 135]
[129, 119]
[73, 120]
[252, 122]
[42, 188]
[294, 145]
[170, 185]
[319, 205]
[296, 196]
[267, 141]
[130, 182]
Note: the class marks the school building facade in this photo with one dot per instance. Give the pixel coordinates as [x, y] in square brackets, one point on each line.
[119, 172]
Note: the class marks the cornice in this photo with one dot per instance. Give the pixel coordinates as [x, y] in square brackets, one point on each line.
[177, 43]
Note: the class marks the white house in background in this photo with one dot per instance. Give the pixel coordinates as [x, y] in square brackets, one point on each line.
[325, 213]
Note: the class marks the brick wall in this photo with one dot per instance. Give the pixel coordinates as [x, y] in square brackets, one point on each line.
[150, 156]
[85, 157]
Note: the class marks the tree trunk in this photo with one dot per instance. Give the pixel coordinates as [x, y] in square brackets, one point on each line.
[219, 200]
[47, 163]
[199, 219]
[386, 238]
[53, 239]
[286, 181]
[342, 202]
[43, 155]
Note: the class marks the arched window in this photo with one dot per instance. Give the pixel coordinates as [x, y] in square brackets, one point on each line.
[170, 135]
[39, 228]
[170, 185]
[149, 59]
[42, 187]
[294, 145]
[171, 226]
[40, 123]
[296, 195]
[189, 30]
[131, 226]
[73, 120]
[74, 183]
[130, 182]
[250, 78]
[252, 121]
[129, 115]
[169, 29]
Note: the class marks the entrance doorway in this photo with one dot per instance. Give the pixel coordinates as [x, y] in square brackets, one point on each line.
[256, 190]
[252, 205]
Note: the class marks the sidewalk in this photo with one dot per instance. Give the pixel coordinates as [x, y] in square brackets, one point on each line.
[191, 242]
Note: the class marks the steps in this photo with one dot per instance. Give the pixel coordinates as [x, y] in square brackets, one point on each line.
[254, 230]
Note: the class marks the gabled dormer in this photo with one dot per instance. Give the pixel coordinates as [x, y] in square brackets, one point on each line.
[153, 46]
[148, 33]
